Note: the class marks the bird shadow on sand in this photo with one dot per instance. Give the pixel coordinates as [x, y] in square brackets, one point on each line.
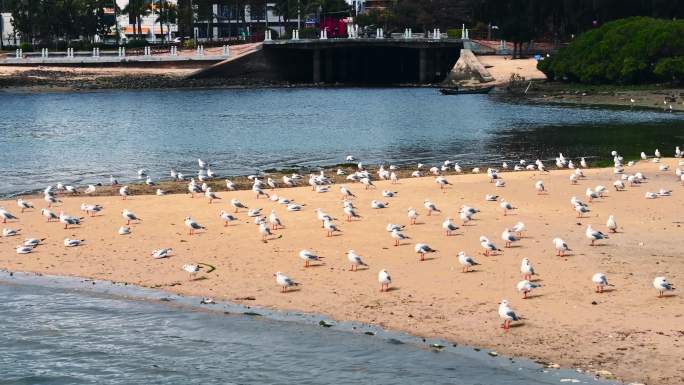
[392, 288]
[292, 290]
[315, 265]
[198, 279]
[532, 296]
[428, 259]
[665, 296]
[608, 290]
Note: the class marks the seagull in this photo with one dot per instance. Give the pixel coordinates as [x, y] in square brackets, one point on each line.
[6, 215]
[583, 163]
[662, 285]
[149, 182]
[284, 281]
[124, 230]
[49, 215]
[367, 182]
[129, 216]
[211, 195]
[379, 205]
[274, 220]
[162, 253]
[488, 245]
[194, 188]
[491, 198]
[192, 269]
[294, 207]
[561, 247]
[24, 205]
[500, 183]
[600, 280]
[384, 279]
[322, 216]
[619, 185]
[398, 236]
[526, 287]
[69, 220]
[526, 269]
[255, 212]
[442, 182]
[350, 213]
[507, 314]
[113, 181]
[237, 204]
[580, 209]
[466, 261]
[202, 164]
[346, 193]
[192, 225]
[32, 242]
[657, 153]
[123, 191]
[594, 235]
[539, 186]
[230, 185]
[412, 215]
[664, 193]
[388, 194]
[518, 228]
[448, 226]
[600, 190]
[591, 194]
[465, 217]
[430, 207]
[422, 249]
[330, 227]
[308, 256]
[506, 207]
[226, 218]
[10, 232]
[651, 195]
[258, 191]
[73, 242]
[611, 224]
[24, 249]
[391, 227]
[394, 178]
[355, 260]
[50, 199]
[508, 237]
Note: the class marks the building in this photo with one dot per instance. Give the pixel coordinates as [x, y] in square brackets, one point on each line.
[377, 5]
[228, 23]
[151, 29]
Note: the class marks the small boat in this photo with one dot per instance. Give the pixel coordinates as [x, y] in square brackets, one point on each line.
[464, 91]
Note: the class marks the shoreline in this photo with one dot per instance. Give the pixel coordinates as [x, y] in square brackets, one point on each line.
[230, 307]
[451, 305]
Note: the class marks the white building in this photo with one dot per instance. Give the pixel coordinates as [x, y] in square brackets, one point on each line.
[7, 36]
[151, 29]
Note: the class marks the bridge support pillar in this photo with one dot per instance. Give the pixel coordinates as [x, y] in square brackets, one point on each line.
[329, 66]
[422, 66]
[317, 66]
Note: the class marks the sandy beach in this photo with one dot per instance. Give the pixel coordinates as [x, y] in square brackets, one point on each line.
[627, 332]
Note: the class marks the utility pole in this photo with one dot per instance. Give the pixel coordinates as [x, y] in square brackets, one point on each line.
[299, 16]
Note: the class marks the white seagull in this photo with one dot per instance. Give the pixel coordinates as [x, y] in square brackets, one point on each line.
[507, 314]
[466, 261]
[192, 225]
[662, 285]
[594, 235]
[308, 257]
[384, 279]
[600, 280]
[284, 281]
[355, 260]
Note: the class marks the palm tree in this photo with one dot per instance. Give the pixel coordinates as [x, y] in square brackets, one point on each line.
[137, 9]
[168, 14]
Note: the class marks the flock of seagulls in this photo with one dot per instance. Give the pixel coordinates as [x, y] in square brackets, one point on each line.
[319, 183]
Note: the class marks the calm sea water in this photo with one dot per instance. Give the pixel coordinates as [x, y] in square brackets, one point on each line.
[82, 138]
[67, 335]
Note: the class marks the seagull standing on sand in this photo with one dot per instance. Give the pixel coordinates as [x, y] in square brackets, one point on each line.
[346, 193]
[350, 213]
[442, 182]
[539, 186]
[192, 269]
[398, 236]
[518, 229]
[49, 215]
[594, 235]
[662, 285]
[430, 207]
[211, 195]
[422, 249]
[507, 314]
[489, 247]
[237, 204]
[506, 207]
[330, 227]
[466, 261]
[284, 281]
[274, 220]
[192, 225]
[355, 260]
[526, 287]
[508, 237]
[611, 224]
[322, 216]
[591, 194]
[24, 205]
[226, 218]
[600, 280]
[124, 230]
[6, 215]
[308, 257]
[91, 210]
[379, 205]
[384, 279]
[448, 226]
[123, 191]
[619, 185]
[561, 247]
[412, 215]
[264, 230]
[581, 209]
[526, 269]
[129, 216]
[69, 220]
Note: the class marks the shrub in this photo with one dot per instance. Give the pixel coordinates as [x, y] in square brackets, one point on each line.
[623, 51]
[671, 68]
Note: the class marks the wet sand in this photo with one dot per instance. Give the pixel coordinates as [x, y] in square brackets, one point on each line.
[627, 332]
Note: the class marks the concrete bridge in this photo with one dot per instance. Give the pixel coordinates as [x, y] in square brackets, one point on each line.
[350, 61]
